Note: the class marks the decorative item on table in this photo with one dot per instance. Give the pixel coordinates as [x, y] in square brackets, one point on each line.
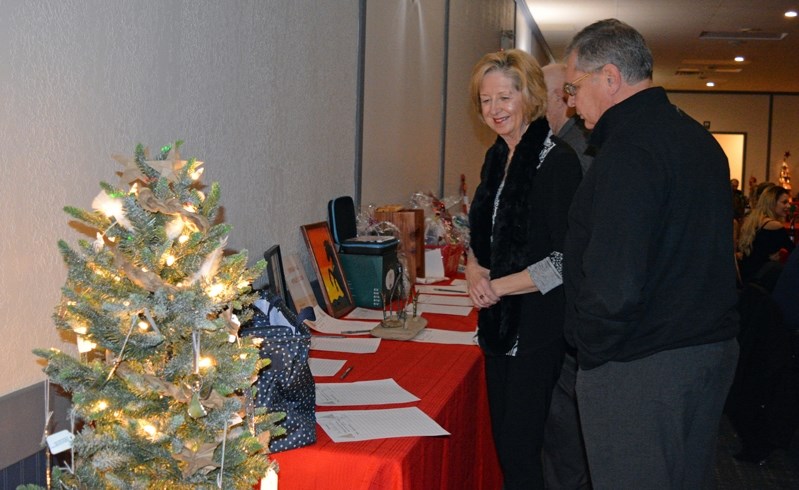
[367, 260]
[445, 231]
[396, 324]
[286, 384]
[410, 223]
[161, 387]
[326, 263]
[276, 277]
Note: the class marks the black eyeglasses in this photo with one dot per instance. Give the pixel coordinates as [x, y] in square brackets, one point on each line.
[571, 87]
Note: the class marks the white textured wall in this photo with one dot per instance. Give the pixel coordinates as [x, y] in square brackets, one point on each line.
[263, 91]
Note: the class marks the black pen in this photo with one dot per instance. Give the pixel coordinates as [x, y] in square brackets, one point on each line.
[356, 331]
[448, 290]
[346, 372]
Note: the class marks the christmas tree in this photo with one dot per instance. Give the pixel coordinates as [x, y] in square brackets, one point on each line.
[162, 385]
[785, 172]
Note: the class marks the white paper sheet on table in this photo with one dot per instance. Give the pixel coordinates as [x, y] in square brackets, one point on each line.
[325, 323]
[351, 345]
[374, 392]
[430, 280]
[325, 367]
[365, 314]
[365, 425]
[456, 289]
[438, 299]
[459, 282]
[445, 309]
[437, 336]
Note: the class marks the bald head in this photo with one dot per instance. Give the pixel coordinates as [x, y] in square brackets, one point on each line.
[557, 108]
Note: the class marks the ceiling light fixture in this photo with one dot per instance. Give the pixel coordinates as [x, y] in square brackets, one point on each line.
[743, 35]
[739, 59]
[710, 84]
[790, 13]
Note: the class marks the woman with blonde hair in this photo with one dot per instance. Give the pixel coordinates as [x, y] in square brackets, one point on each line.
[763, 233]
[518, 221]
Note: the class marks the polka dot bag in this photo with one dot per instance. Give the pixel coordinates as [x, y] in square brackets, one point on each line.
[286, 384]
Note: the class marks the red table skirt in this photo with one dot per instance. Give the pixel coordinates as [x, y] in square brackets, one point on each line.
[450, 381]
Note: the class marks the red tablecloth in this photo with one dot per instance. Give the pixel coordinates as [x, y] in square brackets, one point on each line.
[450, 381]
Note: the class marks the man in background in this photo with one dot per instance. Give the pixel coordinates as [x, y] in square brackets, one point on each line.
[563, 455]
[563, 122]
[649, 273]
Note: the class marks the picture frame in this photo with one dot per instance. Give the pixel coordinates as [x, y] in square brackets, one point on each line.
[276, 276]
[332, 282]
[302, 295]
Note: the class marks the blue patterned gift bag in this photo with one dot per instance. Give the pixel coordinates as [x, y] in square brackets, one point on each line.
[286, 384]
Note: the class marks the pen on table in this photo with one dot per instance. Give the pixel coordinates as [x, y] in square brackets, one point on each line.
[448, 290]
[357, 331]
[346, 372]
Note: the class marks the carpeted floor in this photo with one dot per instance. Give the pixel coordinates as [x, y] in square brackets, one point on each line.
[781, 470]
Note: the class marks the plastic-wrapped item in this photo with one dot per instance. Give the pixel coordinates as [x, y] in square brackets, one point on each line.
[446, 222]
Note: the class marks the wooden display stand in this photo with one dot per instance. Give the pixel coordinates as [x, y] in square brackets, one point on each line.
[411, 226]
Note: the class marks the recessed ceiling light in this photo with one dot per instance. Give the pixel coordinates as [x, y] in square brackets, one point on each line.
[790, 13]
[710, 84]
[739, 59]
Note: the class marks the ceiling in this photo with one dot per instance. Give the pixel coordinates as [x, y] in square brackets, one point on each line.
[683, 61]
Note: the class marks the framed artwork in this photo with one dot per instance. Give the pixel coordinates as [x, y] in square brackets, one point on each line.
[336, 293]
[297, 282]
[276, 276]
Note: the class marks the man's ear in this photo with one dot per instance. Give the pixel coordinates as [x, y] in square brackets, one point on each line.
[611, 78]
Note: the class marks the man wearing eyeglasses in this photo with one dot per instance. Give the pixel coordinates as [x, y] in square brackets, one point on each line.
[649, 273]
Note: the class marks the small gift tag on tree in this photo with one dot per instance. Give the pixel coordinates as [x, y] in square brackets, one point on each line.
[60, 441]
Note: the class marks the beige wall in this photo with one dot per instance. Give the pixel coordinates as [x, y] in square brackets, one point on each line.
[474, 32]
[247, 84]
[263, 91]
[404, 87]
[769, 121]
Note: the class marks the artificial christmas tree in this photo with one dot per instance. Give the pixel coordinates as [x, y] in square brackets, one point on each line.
[162, 387]
[785, 173]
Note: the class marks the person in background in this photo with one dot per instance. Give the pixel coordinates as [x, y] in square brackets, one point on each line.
[763, 233]
[786, 295]
[757, 191]
[565, 124]
[739, 211]
[738, 199]
[517, 222]
[565, 463]
[649, 273]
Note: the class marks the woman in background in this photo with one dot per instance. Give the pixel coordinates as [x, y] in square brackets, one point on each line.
[518, 223]
[763, 234]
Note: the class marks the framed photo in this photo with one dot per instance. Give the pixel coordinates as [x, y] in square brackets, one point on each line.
[276, 276]
[336, 293]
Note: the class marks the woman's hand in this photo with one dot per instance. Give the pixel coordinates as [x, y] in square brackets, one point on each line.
[479, 283]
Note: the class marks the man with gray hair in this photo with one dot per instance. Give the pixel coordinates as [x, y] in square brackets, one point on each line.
[649, 273]
[561, 118]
